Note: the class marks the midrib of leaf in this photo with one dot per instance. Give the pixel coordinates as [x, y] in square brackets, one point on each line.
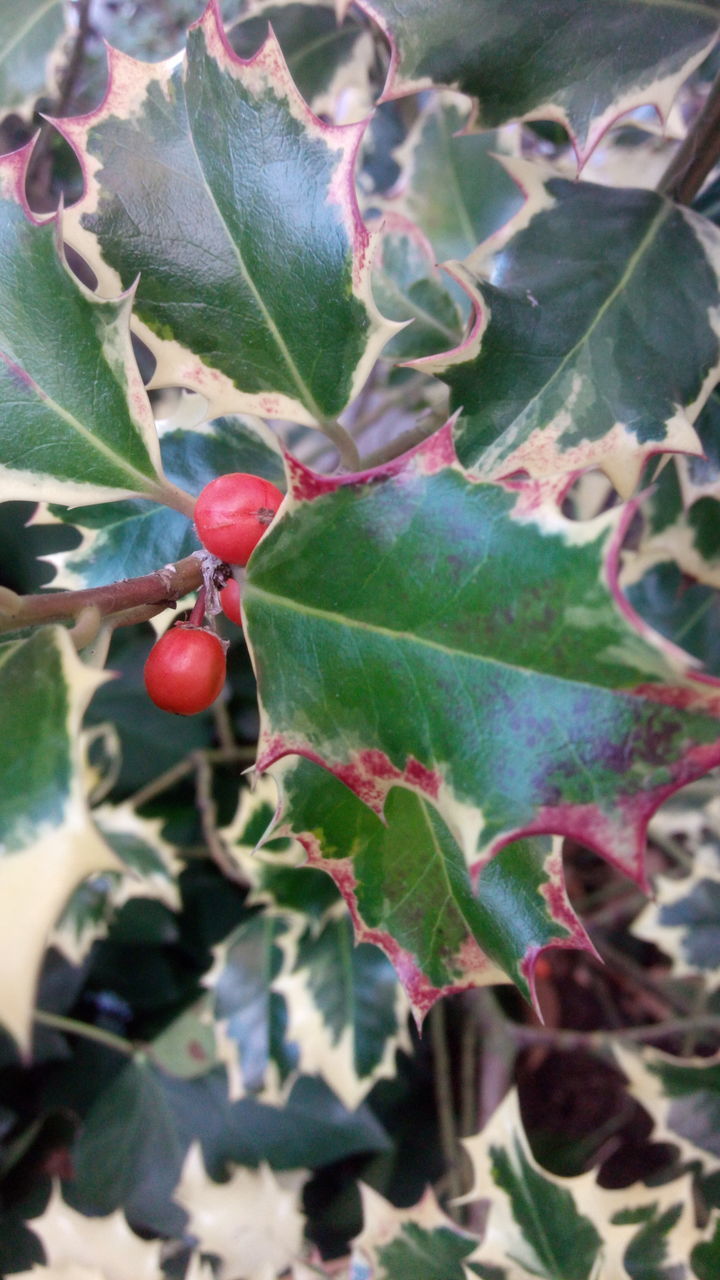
[547, 1258]
[306, 396]
[147, 483]
[376, 629]
[465, 221]
[27, 26]
[632, 264]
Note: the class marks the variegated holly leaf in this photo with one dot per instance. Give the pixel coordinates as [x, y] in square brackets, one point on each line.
[31, 41]
[410, 892]
[419, 1243]
[618, 376]
[48, 841]
[128, 539]
[705, 1257]
[74, 430]
[188, 1047]
[147, 868]
[346, 1013]
[486, 663]
[104, 1243]
[253, 297]
[683, 916]
[581, 65]
[409, 288]
[450, 184]
[330, 61]
[683, 1097]
[249, 1014]
[540, 1225]
[253, 1222]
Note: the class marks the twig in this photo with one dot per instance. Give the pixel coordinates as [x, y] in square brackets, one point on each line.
[442, 1079]
[400, 444]
[344, 444]
[208, 820]
[697, 155]
[162, 588]
[187, 766]
[560, 1038]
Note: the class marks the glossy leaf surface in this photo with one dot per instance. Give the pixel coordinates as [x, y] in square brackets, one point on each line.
[580, 64]
[256, 298]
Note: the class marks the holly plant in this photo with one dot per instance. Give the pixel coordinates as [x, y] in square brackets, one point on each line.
[359, 661]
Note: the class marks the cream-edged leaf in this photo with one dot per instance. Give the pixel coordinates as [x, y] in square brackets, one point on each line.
[252, 1222]
[48, 840]
[105, 1244]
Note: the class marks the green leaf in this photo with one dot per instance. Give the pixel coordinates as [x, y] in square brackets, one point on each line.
[450, 184]
[128, 1153]
[48, 843]
[326, 59]
[149, 869]
[408, 287]
[251, 1014]
[683, 917]
[682, 1096]
[571, 1228]
[580, 64]
[74, 430]
[705, 1257]
[541, 709]
[29, 42]
[419, 1243]
[270, 312]
[410, 892]
[621, 374]
[128, 539]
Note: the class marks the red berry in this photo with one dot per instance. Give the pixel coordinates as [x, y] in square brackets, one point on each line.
[230, 601]
[232, 514]
[185, 671]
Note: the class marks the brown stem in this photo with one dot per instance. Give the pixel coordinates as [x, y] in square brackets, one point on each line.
[162, 589]
[558, 1038]
[697, 155]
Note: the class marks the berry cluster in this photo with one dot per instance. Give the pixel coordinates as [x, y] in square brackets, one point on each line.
[185, 671]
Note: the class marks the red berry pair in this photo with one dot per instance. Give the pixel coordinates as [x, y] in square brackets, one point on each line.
[185, 671]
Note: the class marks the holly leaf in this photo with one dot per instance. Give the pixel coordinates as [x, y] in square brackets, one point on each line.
[511, 712]
[129, 1152]
[619, 376]
[526, 61]
[409, 889]
[683, 1097]
[451, 184]
[344, 1014]
[29, 47]
[329, 61]
[540, 1225]
[252, 1222]
[105, 1244]
[72, 431]
[48, 840]
[271, 312]
[683, 917]
[129, 539]
[148, 868]
[419, 1243]
[250, 1021]
[408, 287]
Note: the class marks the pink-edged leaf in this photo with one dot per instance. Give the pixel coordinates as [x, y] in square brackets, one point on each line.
[466, 641]
[211, 180]
[409, 889]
